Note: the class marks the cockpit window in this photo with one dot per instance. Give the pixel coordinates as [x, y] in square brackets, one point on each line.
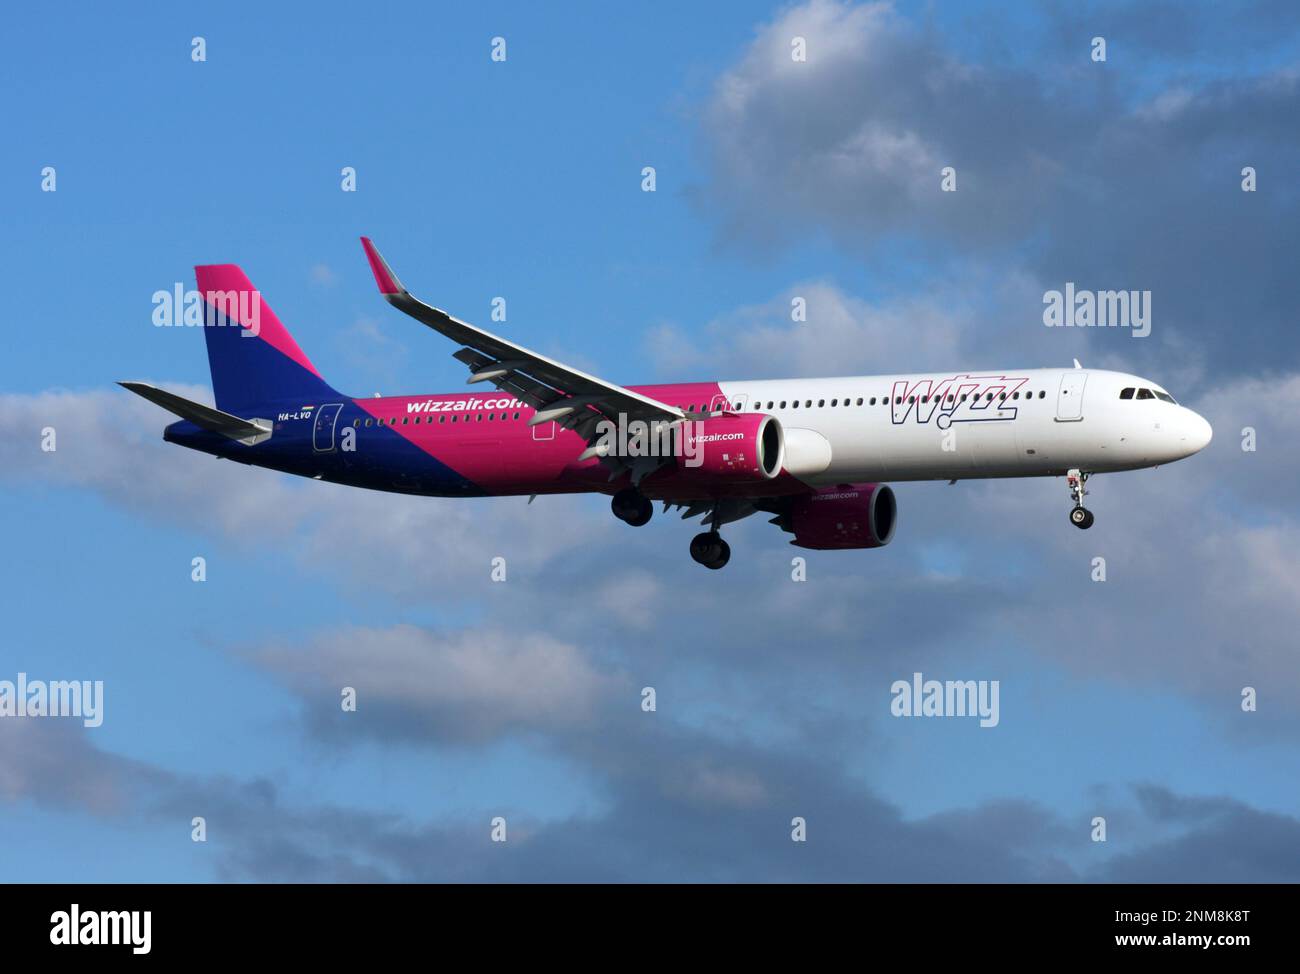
[1126, 393]
[1145, 394]
[1165, 397]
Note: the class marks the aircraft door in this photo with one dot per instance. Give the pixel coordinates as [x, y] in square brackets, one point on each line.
[322, 434]
[721, 402]
[1069, 398]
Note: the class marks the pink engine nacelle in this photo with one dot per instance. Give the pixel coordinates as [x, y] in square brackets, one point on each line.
[732, 448]
[847, 516]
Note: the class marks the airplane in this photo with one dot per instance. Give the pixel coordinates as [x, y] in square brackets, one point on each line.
[812, 453]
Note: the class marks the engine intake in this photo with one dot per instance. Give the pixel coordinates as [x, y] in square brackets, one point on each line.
[745, 447]
[847, 516]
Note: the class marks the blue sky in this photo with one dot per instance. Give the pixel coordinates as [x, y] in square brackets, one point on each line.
[522, 179]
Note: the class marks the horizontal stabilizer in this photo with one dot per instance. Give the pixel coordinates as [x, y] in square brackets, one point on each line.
[246, 431]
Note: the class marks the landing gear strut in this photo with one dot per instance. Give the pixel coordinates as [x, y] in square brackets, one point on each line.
[632, 506]
[1080, 516]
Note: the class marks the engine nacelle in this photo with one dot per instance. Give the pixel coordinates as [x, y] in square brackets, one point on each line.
[732, 449]
[848, 516]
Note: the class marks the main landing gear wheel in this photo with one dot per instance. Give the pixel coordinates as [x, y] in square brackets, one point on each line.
[1080, 516]
[631, 506]
[710, 550]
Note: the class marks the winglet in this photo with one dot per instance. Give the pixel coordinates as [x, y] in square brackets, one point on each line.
[388, 283]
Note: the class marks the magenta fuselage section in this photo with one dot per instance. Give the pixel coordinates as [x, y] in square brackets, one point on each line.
[478, 443]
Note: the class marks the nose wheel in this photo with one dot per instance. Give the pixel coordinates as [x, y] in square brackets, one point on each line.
[710, 550]
[1080, 516]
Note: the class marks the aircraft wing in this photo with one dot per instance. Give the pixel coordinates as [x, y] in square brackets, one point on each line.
[558, 392]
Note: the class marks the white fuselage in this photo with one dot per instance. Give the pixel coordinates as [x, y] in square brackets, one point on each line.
[960, 425]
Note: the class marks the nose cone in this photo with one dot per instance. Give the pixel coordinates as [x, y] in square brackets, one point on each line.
[1194, 432]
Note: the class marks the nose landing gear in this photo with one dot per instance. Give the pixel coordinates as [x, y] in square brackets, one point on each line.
[1080, 516]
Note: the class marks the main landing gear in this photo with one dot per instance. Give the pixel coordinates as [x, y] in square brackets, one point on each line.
[632, 506]
[1080, 516]
[708, 548]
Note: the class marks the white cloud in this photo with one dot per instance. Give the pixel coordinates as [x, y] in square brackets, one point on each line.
[842, 335]
[110, 441]
[466, 685]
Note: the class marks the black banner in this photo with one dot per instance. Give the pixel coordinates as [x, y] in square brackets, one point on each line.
[333, 923]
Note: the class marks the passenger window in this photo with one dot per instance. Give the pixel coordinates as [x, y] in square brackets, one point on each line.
[516, 415]
[873, 401]
[442, 419]
[821, 403]
[911, 399]
[835, 402]
[794, 404]
[1042, 393]
[368, 422]
[356, 423]
[1145, 394]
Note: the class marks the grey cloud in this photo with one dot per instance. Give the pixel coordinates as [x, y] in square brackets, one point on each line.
[1223, 841]
[1076, 181]
[664, 825]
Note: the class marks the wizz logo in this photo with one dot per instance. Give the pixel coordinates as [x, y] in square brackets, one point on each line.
[959, 399]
